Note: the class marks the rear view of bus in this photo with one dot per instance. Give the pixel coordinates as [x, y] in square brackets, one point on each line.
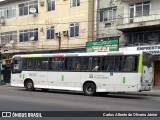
[146, 68]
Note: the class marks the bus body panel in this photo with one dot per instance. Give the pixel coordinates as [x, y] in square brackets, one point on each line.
[118, 81]
[64, 80]
[17, 80]
[104, 81]
[128, 82]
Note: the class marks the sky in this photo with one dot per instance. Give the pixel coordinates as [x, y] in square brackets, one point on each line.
[2, 0]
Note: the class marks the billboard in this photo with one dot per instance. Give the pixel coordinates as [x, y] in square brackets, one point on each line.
[102, 46]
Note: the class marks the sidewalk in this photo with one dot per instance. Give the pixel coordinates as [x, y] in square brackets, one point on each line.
[154, 92]
[6, 85]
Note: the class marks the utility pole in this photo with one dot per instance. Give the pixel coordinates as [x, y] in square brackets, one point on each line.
[59, 39]
[96, 17]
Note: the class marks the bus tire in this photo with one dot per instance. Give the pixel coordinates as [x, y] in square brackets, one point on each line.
[29, 85]
[89, 89]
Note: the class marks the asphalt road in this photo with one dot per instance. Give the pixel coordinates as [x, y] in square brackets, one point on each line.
[17, 99]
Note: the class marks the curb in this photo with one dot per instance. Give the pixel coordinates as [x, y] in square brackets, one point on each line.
[6, 85]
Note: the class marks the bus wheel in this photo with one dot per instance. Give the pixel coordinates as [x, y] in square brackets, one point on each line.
[29, 85]
[89, 89]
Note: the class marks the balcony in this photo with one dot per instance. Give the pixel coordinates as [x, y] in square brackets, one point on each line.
[140, 20]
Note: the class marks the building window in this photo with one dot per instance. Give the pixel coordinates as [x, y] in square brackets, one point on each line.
[139, 9]
[108, 14]
[50, 33]
[28, 35]
[8, 12]
[137, 39]
[8, 36]
[50, 5]
[75, 3]
[143, 38]
[74, 29]
[24, 8]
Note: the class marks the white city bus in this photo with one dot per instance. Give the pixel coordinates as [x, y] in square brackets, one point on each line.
[88, 72]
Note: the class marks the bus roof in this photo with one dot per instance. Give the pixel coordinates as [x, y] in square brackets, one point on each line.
[77, 54]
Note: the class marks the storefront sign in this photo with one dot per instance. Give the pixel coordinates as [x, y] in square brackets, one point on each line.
[102, 46]
[154, 49]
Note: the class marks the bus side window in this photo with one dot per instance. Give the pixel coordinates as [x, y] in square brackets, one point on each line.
[24, 63]
[30, 64]
[118, 63]
[95, 63]
[108, 63]
[86, 64]
[45, 63]
[57, 64]
[78, 67]
[38, 63]
[73, 63]
[130, 63]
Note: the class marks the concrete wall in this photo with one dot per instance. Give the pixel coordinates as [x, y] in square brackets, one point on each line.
[153, 15]
[110, 31]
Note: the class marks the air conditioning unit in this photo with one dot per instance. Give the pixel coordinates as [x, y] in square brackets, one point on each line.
[65, 33]
[41, 29]
[112, 2]
[41, 3]
[141, 23]
[12, 42]
[2, 20]
[107, 24]
[58, 34]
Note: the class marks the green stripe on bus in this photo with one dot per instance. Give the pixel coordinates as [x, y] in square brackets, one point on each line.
[62, 77]
[20, 75]
[140, 68]
[124, 80]
[23, 76]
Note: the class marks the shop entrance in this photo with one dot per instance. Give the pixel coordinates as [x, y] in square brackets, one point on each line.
[157, 74]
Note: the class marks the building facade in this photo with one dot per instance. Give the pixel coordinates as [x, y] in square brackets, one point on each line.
[135, 22]
[42, 26]
[140, 27]
[106, 20]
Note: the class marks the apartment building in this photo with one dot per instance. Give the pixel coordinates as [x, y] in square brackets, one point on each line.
[134, 23]
[106, 14]
[43, 26]
[141, 28]
[106, 22]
